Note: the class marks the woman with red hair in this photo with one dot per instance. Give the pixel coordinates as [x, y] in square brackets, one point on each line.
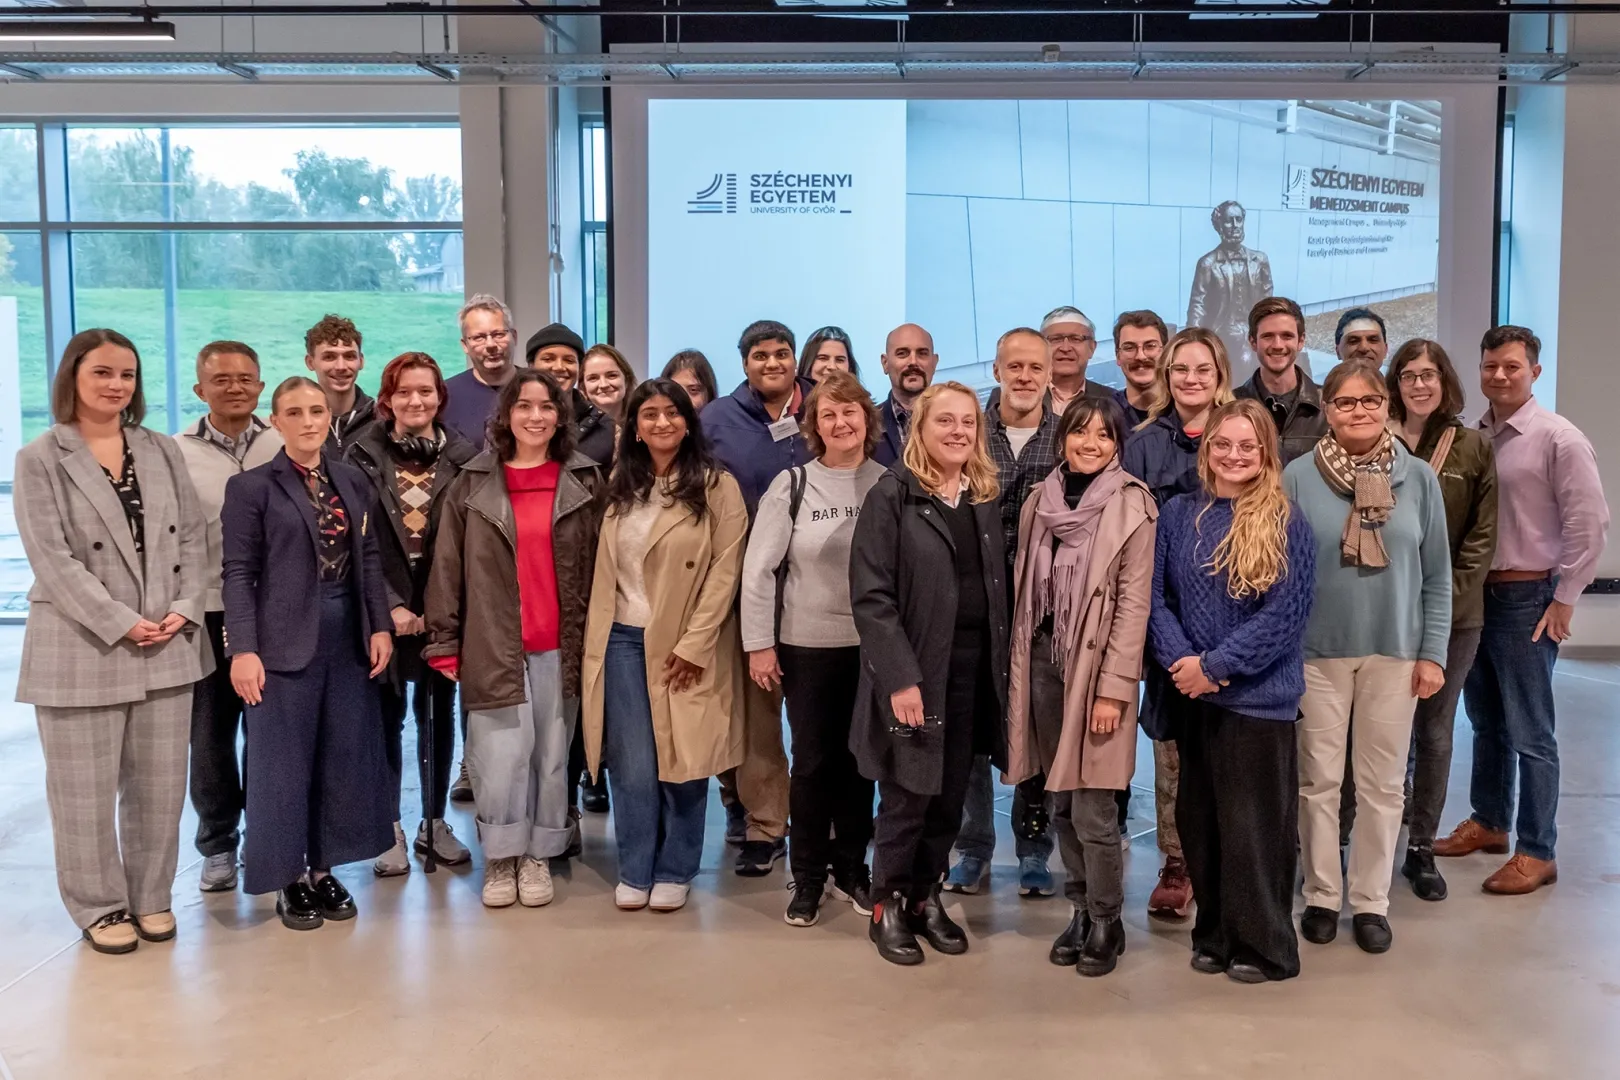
[411, 457]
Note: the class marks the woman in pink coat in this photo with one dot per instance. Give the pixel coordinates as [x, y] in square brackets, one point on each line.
[1084, 579]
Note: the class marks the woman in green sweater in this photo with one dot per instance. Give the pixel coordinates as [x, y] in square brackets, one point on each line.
[1375, 644]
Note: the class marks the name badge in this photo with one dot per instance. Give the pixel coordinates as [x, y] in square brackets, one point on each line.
[784, 428]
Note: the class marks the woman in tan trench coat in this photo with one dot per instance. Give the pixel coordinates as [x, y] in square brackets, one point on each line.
[660, 675]
[1084, 581]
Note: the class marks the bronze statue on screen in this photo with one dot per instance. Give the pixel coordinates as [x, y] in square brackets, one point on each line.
[1227, 282]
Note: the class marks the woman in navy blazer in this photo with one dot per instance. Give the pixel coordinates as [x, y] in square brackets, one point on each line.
[307, 630]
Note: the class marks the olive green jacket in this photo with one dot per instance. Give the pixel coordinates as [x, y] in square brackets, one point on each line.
[1468, 485]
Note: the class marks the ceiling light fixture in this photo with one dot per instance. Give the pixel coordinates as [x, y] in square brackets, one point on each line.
[84, 30]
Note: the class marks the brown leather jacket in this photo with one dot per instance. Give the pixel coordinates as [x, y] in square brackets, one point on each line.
[472, 595]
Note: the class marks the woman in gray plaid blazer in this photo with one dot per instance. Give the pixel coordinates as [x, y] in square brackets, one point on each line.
[110, 522]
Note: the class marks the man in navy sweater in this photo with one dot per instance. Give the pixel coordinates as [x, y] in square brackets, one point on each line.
[754, 431]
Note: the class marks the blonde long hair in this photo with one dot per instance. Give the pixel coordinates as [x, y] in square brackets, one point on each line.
[980, 471]
[1162, 401]
[1254, 552]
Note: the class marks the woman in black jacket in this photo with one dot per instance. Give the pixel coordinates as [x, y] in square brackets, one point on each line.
[929, 596]
[410, 457]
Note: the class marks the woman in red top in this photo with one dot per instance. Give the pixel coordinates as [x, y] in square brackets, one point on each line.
[506, 617]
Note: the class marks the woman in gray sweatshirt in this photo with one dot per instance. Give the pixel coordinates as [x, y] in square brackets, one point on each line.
[1375, 644]
[798, 631]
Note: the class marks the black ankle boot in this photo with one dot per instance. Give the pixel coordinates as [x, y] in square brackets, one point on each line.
[1103, 948]
[937, 928]
[1425, 877]
[894, 940]
[1066, 949]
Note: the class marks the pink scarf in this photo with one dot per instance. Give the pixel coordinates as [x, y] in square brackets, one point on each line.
[1055, 580]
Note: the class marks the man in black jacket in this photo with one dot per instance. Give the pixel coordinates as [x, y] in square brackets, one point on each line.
[1280, 383]
[909, 361]
[332, 352]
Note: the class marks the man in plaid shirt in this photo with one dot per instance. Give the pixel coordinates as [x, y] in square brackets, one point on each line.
[1022, 431]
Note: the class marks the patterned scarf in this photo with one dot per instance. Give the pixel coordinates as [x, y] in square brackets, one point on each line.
[1054, 581]
[1365, 480]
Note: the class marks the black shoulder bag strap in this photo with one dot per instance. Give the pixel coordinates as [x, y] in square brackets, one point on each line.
[797, 479]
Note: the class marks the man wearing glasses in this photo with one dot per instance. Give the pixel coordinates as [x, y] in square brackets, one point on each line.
[486, 338]
[1072, 338]
[1277, 337]
[1139, 339]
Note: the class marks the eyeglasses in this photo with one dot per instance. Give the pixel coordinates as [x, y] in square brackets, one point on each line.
[1371, 402]
[1132, 348]
[497, 337]
[1420, 378]
[1069, 339]
[1227, 446]
[1182, 371]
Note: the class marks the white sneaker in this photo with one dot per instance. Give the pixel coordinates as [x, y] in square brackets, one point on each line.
[668, 896]
[396, 860]
[628, 898]
[446, 848]
[500, 882]
[534, 882]
[218, 873]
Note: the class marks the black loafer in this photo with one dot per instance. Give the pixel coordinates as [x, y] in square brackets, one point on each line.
[937, 928]
[893, 937]
[1105, 944]
[1244, 972]
[1066, 949]
[299, 907]
[1373, 933]
[335, 901]
[1319, 925]
[1207, 963]
[1419, 869]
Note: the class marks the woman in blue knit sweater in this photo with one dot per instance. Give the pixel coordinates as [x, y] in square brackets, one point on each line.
[1232, 586]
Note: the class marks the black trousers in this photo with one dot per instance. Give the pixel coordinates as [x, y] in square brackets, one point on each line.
[913, 834]
[829, 801]
[216, 777]
[1237, 809]
[430, 688]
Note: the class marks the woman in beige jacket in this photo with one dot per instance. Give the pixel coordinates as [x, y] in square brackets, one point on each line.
[1084, 581]
[660, 674]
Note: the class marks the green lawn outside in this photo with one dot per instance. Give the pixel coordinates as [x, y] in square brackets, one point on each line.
[271, 322]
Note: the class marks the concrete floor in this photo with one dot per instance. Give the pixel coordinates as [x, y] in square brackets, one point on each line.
[427, 983]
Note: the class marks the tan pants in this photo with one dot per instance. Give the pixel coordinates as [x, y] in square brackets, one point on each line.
[1374, 694]
[1166, 780]
[760, 783]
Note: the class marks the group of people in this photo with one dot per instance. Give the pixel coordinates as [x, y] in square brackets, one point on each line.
[1286, 585]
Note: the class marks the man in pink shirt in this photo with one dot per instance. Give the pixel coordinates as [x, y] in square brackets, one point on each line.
[1551, 524]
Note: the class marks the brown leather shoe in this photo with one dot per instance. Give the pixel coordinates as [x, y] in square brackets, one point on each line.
[1470, 837]
[1522, 874]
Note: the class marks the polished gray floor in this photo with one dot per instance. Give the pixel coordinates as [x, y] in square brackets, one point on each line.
[426, 983]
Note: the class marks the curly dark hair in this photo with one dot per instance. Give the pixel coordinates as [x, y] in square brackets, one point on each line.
[501, 439]
[695, 470]
[331, 330]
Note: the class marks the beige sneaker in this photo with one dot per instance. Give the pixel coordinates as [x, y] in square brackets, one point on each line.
[158, 926]
[500, 882]
[394, 862]
[669, 896]
[112, 934]
[534, 885]
[629, 898]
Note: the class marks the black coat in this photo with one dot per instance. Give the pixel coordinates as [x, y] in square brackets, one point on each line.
[271, 581]
[893, 443]
[902, 586]
[594, 433]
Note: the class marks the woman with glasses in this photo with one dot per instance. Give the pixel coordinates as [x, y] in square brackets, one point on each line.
[691, 371]
[1375, 645]
[1194, 379]
[1083, 581]
[928, 592]
[1425, 406]
[1233, 577]
[828, 349]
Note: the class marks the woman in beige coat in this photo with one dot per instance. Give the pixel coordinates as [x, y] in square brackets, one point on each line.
[1084, 580]
[659, 674]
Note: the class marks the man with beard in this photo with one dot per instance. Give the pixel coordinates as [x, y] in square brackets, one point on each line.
[1073, 339]
[1360, 335]
[909, 361]
[332, 352]
[1277, 337]
[755, 434]
[486, 338]
[558, 351]
[1227, 282]
[1139, 340]
[1022, 432]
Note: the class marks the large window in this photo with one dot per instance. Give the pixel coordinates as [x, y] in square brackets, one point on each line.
[180, 235]
[594, 199]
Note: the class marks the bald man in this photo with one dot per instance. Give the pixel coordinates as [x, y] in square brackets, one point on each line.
[909, 361]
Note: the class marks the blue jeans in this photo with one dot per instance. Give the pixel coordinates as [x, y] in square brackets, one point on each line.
[658, 826]
[1509, 696]
[977, 840]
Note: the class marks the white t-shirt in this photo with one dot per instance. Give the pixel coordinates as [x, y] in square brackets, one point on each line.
[1019, 438]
